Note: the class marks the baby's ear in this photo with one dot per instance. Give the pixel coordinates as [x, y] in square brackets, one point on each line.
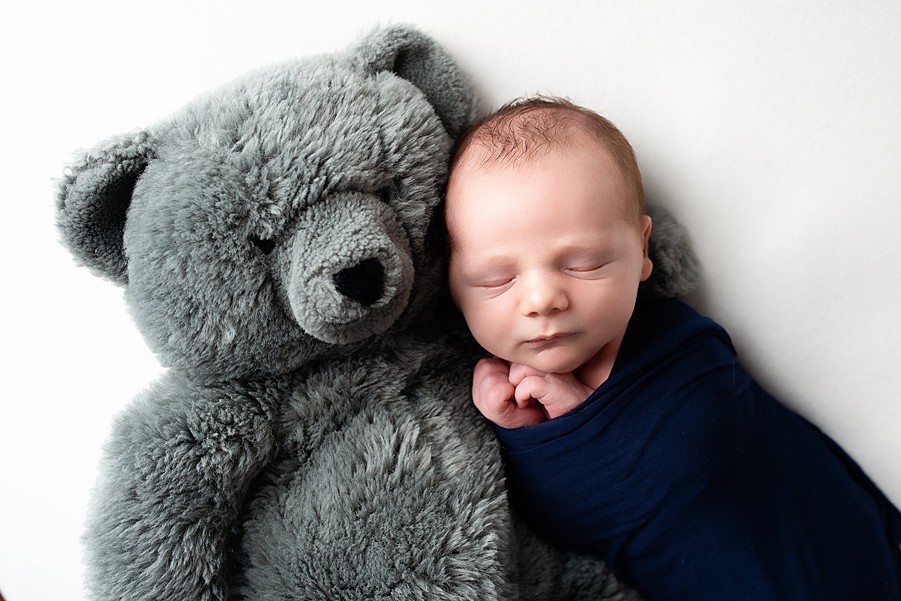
[676, 268]
[93, 199]
[413, 56]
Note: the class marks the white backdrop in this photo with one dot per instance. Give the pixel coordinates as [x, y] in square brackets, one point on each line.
[770, 128]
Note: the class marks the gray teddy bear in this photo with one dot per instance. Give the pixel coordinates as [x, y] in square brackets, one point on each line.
[280, 246]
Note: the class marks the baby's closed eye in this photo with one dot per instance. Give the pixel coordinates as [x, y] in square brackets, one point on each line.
[587, 268]
[581, 268]
[495, 283]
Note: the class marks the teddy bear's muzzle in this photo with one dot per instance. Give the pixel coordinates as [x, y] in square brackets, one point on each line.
[351, 269]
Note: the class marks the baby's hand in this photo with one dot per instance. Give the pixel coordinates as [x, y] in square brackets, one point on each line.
[493, 395]
[557, 393]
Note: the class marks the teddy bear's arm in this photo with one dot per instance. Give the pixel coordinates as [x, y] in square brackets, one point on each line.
[165, 515]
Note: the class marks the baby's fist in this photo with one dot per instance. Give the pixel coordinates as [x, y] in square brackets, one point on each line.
[493, 395]
[557, 393]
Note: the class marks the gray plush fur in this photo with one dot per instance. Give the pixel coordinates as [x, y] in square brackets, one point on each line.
[313, 436]
[676, 268]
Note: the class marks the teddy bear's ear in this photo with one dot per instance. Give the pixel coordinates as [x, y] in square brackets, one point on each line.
[418, 59]
[93, 199]
[676, 267]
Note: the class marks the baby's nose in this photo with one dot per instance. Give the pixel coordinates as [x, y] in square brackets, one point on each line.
[543, 295]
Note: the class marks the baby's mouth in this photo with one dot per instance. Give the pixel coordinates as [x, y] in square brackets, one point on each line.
[547, 339]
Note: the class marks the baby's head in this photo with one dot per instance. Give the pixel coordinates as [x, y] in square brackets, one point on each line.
[548, 234]
[528, 129]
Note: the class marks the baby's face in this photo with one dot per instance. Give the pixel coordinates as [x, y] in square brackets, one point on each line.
[545, 265]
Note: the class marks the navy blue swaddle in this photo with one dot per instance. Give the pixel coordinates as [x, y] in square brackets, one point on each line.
[694, 483]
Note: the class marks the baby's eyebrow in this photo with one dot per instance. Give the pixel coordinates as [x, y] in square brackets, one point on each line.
[490, 263]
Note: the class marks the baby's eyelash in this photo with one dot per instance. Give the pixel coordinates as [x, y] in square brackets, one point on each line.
[586, 268]
[591, 271]
[495, 284]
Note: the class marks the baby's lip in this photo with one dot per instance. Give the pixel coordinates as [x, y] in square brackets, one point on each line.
[546, 338]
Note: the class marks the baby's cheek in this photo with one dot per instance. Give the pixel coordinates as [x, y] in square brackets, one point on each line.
[488, 340]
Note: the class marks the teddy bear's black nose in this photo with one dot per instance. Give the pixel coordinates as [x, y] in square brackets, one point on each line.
[364, 282]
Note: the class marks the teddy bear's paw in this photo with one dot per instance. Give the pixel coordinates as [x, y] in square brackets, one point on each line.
[676, 266]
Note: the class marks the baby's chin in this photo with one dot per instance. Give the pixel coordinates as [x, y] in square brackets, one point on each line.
[553, 362]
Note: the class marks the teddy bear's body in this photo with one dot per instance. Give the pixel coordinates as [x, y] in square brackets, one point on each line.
[363, 477]
[398, 499]
[313, 437]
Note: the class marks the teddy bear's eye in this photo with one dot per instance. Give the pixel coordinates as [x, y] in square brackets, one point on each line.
[266, 245]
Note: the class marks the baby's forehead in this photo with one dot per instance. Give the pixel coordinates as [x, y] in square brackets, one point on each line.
[465, 196]
[479, 165]
[481, 157]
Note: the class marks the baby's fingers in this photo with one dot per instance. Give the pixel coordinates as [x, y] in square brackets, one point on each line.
[520, 371]
[491, 365]
[492, 393]
[530, 390]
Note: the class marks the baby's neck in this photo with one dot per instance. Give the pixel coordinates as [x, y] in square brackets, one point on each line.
[595, 371]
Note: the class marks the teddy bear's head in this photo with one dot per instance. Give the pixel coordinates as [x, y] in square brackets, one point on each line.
[282, 218]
